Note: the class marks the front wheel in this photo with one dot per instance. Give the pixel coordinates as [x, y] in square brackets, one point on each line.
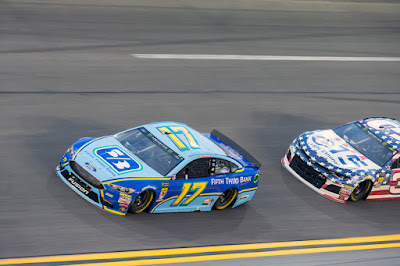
[361, 191]
[225, 199]
[142, 202]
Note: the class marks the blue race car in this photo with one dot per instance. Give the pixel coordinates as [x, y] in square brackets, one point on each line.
[359, 160]
[160, 167]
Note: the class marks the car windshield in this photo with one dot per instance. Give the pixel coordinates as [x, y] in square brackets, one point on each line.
[149, 149]
[365, 142]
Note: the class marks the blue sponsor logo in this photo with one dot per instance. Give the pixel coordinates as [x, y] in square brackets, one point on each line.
[119, 160]
[91, 167]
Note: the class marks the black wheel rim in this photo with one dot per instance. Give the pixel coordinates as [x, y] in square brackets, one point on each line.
[361, 190]
[225, 197]
[140, 200]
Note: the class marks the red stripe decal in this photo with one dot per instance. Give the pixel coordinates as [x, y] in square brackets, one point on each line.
[381, 192]
[396, 198]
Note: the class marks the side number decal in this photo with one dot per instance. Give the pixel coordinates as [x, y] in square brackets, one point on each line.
[196, 188]
[395, 189]
[172, 133]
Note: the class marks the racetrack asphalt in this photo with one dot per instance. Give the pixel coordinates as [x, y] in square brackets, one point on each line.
[66, 72]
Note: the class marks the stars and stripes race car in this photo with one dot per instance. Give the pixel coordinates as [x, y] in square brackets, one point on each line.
[359, 160]
[160, 167]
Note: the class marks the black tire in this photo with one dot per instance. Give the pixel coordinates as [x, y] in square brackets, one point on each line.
[361, 191]
[142, 202]
[225, 199]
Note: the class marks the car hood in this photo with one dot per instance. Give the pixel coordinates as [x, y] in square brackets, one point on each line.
[107, 159]
[330, 151]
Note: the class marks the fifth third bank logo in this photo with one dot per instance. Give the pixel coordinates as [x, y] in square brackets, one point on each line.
[118, 159]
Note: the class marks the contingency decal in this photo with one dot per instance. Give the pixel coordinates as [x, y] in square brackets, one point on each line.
[172, 133]
[119, 160]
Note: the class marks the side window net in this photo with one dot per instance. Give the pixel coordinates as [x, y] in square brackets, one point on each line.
[396, 164]
[197, 168]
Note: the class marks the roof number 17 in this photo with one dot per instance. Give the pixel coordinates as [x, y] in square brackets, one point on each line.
[173, 132]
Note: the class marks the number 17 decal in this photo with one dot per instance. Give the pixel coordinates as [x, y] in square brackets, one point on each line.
[172, 133]
[196, 188]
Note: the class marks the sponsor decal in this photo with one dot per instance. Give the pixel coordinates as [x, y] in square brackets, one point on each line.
[148, 187]
[217, 181]
[232, 151]
[208, 201]
[119, 160]
[90, 167]
[231, 181]
[345, 192]
[124, 200]
[205, 156]
[336, 151]
[122, 209]
[165, 185]
[379, 183]
[245, 179]
[109, 195]
[341, 198]
[78, 186]
[162, 195]
[256, 177]
[243, 197]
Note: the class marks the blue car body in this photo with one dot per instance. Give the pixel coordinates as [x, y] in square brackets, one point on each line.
[336, 162]
[110, 172]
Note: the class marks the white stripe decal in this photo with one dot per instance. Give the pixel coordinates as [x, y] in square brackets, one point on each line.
[266, 57]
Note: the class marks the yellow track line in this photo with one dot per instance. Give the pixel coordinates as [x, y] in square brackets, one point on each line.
[242, 255]
[183, 251]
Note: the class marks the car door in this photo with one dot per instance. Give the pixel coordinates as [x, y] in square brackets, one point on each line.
[190, 186]
[394, 183]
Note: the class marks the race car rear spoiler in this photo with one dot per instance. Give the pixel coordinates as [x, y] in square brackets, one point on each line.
[234, 149]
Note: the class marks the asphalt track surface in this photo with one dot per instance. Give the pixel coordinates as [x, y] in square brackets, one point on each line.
[66, 72]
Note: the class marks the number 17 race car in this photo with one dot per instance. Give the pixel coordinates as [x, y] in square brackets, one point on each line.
[359, 160]
[160, 167]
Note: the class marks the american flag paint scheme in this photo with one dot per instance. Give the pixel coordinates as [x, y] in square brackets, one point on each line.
[355, 161]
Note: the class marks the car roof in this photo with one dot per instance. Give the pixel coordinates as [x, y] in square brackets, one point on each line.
[204, 146]
[388, 129]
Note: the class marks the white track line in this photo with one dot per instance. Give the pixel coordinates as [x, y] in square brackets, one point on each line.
[266, 57]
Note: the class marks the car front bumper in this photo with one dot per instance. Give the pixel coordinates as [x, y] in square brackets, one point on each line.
[298, 164]
[83, 189]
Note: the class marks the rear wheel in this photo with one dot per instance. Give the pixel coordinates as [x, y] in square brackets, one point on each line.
[142, 202]
[361, 191]
[225, 199]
